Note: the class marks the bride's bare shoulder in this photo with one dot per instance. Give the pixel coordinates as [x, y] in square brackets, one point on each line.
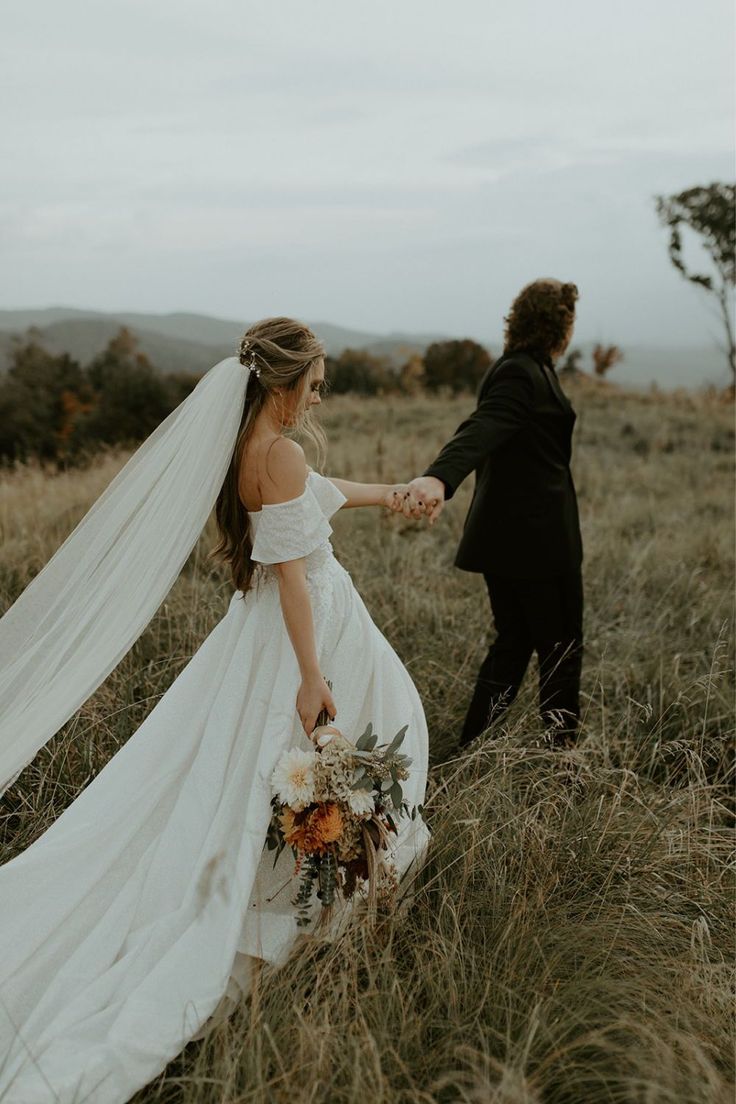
[283, 471]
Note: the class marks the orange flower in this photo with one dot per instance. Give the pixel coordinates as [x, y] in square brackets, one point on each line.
[313, 829]
[328, 821]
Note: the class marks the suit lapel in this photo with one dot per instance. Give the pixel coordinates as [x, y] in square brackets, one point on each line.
[551, 378]
[548, 372]
[555, 385]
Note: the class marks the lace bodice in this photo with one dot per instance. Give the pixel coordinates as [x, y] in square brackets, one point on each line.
[299, 527]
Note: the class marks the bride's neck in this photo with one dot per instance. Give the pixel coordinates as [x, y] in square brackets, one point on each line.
[267, 424]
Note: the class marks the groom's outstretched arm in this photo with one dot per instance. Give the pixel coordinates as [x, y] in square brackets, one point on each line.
[505, 404]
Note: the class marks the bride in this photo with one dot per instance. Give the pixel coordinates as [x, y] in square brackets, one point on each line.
[133, 921]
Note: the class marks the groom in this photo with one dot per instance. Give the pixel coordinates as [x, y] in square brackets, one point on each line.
[522, 531]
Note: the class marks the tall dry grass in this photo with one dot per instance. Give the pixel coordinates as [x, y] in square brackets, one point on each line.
[570, 938]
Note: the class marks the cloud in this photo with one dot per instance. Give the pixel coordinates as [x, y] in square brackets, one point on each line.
[392, 166]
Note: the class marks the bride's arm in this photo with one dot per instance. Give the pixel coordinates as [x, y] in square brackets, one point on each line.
[369, 494]
[314, 693]
[286, 479]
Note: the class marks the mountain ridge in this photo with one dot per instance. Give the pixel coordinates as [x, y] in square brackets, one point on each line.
[182, 341]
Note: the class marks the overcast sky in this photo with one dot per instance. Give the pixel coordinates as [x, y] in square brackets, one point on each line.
[392, 165]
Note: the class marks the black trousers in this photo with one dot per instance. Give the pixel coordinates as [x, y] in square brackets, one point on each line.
[532, 615]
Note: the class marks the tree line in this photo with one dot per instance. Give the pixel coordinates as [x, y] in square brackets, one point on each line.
[54, 409]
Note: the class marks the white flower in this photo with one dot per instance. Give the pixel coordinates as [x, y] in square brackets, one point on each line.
[325, 733]
[361, 802]
[293, 778]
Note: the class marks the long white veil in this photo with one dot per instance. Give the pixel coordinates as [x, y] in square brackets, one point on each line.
[79, 616]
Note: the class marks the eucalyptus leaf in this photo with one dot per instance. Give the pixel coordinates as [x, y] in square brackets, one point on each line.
[278, 854]
[361, 742]
[397, 740]
[396, 795]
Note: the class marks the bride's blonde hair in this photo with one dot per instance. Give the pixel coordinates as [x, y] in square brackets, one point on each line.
[279, 353]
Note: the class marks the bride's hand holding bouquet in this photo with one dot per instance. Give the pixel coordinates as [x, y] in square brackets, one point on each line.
[337, 806]
[313, 701]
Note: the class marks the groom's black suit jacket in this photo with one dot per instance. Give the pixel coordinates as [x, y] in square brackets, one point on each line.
[523, 519]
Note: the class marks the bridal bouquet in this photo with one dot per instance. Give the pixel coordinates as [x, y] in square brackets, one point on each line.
[336, 807]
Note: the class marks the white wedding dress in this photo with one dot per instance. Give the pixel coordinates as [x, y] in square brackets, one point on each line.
[129, 922]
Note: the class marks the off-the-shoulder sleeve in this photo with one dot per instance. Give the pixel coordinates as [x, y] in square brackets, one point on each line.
[328, 495]
[289, 530]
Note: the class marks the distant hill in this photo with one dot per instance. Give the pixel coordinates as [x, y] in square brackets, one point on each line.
[186, 342]
[84, 338]
[177, 342]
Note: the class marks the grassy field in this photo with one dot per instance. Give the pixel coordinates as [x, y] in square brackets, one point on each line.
[571, 935]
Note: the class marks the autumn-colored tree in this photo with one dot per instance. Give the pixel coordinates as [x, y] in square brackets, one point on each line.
[131, 398]
[605, 357]
[457, 365]
[52, 408]
[411, 374]
[120, 353]
[73, 408]
[34, 409]
[708, 211]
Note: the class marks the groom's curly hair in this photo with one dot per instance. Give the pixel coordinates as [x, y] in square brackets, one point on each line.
[540, 317]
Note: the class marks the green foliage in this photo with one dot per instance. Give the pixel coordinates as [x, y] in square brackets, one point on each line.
[360, 372]
[310, 874]
[53, 409]
[367, 740]
[131, 402]
[454, 365]
[34, 408]
[56, 410]
[710, 212]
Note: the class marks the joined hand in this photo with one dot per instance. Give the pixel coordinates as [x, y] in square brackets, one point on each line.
[422, 497]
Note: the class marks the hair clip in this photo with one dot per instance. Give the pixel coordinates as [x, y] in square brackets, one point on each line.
[249, 364]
